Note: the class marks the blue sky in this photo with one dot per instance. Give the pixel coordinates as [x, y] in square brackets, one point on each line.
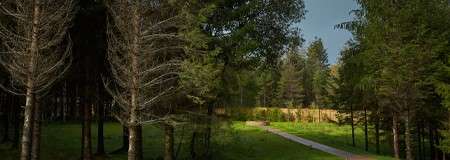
[321, 17]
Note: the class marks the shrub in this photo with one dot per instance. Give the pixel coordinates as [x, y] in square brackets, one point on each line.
[275, 115]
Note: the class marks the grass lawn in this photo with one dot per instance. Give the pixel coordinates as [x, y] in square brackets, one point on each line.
[236, 142]
[335, 136]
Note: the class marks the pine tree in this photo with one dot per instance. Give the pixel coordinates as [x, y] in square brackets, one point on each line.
[400, 41]
[145, 51]
[37, 54]
[290, 86]
[316, 74]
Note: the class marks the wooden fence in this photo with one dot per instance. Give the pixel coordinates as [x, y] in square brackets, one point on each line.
[279, 114]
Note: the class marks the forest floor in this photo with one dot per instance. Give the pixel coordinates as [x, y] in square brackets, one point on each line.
[336, 136]
[235, 141]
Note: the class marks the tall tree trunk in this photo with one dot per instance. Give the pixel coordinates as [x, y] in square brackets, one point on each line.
[366, 135]
[54, 104]
[100, 117]
[135, 141]
[168, 142]
[192, 145]
[140, 147]
[64, 102]
[86, 150]
[422, 141]
[419, 141]
[17, 120]
[241, 94]
[396, 136]
[35, 149]
[30, 95]
[438, 152]
[209, 130]
[431, 141]
[27, 127]
[6, 114]
[409, 155]
[353, 126]
[319, 112]
[125, 138]
[125, 141]
[377, 134]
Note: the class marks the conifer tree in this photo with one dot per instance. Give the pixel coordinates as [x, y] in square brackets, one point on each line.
[145, 53]
[290, 86]
[37, 54]
[316, 74]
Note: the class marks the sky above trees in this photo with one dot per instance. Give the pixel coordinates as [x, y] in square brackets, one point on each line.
[320, 20]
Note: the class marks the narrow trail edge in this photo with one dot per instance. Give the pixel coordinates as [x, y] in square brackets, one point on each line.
[337, 152]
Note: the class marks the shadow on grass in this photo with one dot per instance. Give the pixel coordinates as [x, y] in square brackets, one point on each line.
[230, 142]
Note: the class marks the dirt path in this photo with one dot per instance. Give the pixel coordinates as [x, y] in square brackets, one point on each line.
[315, 145]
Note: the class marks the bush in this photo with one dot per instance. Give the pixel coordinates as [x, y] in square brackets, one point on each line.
[259, 114]
[275, 115]
[298, 115]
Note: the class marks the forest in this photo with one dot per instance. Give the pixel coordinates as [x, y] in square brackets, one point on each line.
[187, 79]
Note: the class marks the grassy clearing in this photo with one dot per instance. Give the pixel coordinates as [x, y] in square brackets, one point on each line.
[335, 136]
[232, 142]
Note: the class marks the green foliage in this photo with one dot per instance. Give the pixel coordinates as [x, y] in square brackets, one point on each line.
[240, 29]
[445, 143]
[317, 74]
[275, 115]
[441, 77]
[397, 63]
[267, 88]
[290, 86]
[240, 36]
[200, 79]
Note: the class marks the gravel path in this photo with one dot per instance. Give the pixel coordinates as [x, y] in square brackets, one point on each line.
[315, 145]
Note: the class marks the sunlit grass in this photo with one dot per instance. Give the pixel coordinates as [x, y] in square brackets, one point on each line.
[335, 136]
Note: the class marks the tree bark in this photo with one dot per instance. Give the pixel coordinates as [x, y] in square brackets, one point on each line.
[409, 155]
[396, 136]
[438, 152]
[377, 135]
[86, 150]
[168, 142]
[125, 141]
[100, 117]
[6, 112]
[30, 95]
[419, 141]
[133, 149]
[35, 148]
[27, 127]
[64, 102]
[17, 120]
[319, 112]
[431, 141]
[125, 138]
[353, 126]
[192, 145]
[422, 139]
[209, 130]
[366, 135]
[140, 148]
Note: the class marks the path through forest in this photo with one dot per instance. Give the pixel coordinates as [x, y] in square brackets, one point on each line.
[315, 145]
